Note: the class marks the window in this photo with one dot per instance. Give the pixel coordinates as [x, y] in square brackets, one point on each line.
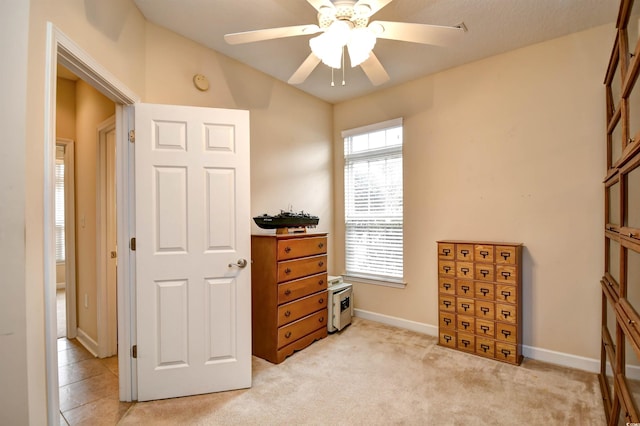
[59, 204]
[373, 202]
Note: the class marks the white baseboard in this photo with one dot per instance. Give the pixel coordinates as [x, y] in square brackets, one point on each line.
[86, 341]
[559, 358]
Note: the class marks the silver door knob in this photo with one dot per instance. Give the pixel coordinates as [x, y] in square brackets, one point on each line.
[241, 263]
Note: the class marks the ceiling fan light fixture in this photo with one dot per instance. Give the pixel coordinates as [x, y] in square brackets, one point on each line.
[360, 45]
[328, 45]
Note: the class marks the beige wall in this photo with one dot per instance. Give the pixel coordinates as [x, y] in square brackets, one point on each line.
[511, 148]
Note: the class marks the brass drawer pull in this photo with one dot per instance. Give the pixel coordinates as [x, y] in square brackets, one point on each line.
[506, 333]
[287, 334]
[446, 303]
[287, 292]
[506, 294]
[484, 253]
[287, 271]
[484, 347]
[320, 245]
[446, 286]
[287, 249]
[447, 321]
[484, 291]
[320, 282]
[505, 274]
[484, 310]
[465, 342]
[465, 324]
[321, 300]
[484, 328]
[464, 253]
[465, 306]
[464, 270]
[446, 251]
[505, 254]
[321, 263]
[321, 319]
[287, 314]
[447, 338]
[505, 314]
[446, 268]
[484, 272]
[506, 352]
[465, 288]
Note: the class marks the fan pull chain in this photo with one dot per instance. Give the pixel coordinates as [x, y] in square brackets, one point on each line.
[333, 84]
[343, 82]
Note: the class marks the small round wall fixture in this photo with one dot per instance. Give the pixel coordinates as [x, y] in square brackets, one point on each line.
[201, 82]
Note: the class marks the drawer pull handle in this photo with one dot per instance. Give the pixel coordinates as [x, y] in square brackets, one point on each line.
[506, 333]
[465, 342]
[506, 352]
[505, 254]
[446, 268]
[447, 338]
[484, 254]
[465, 324]
[287, 292]
[484, 291]
[505, 274]
[321, 300]
[320, 245]
[465, 306]
[447, 321]
[484, 328]
[484, 310]
[287, 314]
[464, 270]
[506, 294]
[321, 263]
[446, 303]
[464, 253]
[287, 334]
[631, 322]
[465, 288]
[505, 314]
[484, 272]
[446, 251]
[287, 271]
[446, 286]
[287, 249]
[321, 319]
[320, 282]
[484, 347]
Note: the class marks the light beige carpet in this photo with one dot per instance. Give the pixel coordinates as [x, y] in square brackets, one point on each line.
[372, 374]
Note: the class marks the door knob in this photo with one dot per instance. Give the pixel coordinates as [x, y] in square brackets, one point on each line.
[241, 263]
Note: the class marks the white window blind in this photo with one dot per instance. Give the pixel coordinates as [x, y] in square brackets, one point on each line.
[59, 204]
[374, 201]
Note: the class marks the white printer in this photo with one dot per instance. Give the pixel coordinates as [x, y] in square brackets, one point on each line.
[340, 303]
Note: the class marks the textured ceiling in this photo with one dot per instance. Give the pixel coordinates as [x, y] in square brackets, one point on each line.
[494, 26]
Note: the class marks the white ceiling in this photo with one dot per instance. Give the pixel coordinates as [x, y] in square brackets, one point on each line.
[494, 26]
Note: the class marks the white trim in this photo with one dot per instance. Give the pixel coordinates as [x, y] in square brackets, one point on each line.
[395, 122]
[86, 341]
[558, 358]
[62, 49]
[373, 281]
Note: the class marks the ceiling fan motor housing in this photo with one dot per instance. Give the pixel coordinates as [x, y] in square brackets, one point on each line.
[344, 10]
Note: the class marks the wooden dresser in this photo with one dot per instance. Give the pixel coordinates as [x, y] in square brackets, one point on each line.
[479, 298]
[288, 293]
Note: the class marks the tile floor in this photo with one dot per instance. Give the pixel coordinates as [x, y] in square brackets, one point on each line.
[88, 387]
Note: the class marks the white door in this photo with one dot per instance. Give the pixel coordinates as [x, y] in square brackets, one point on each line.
[192, 224]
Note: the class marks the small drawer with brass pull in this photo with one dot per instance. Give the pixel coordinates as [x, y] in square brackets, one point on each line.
[506, 293]
[465, 288]
[484, 291]
[447, 320]
[465, 323]
[485, 328]
[506, 313]
[464, 252]
[506, 254]
[484, 272]
[298, 268]
[465, 306]
[447, 303]
[295, 310]
[447, 338]
[446, 251]
[483, 253]
[447, 267]
[293, 290]
[485, 310]
[485, 347]
[466, 341]
[446, 285]
[506, 352]
[506, 332]
[297, 329]
[464, 270]
[292, 248]
[506, 274]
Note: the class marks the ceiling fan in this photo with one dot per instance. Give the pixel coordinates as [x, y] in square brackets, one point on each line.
[346, 23]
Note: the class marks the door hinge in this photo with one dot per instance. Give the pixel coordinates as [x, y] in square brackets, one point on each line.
[132, 136]
[134, 351]
[132, 245]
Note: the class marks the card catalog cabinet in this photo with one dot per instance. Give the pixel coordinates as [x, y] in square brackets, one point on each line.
[288, 293]
[479, 298]
[620, 283]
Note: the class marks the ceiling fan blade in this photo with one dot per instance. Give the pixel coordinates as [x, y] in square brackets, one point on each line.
[417, 33]
[374, 70]
[319, 4]
[374, 5]
[304, 70]
[271, 33]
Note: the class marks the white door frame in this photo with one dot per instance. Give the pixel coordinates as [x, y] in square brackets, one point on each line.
[106, 296]
[69, 236]
[61, 49]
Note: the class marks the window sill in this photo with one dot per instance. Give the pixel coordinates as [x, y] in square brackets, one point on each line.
[381, 282]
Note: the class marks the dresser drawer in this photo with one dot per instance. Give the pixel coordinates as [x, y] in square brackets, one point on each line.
[465, 323]
[484, 272]
[507, 274]
[506, 254]
[465, 306]
[506, 352]
[293, 311]
[485, 347]
[294, 331]
[464, 270]
[484, 291]
[464, 288]
[446, 251]
[447, 338]
[485, 310]
[301, 247]
[483, 253]
[292, 269]
[466, 342]
[446, 303]
[506, 293]
[464, 252]
[506, 313]
[446, 285]
[293, 290]
[447, 268]
[506, 332]
[447, 320]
